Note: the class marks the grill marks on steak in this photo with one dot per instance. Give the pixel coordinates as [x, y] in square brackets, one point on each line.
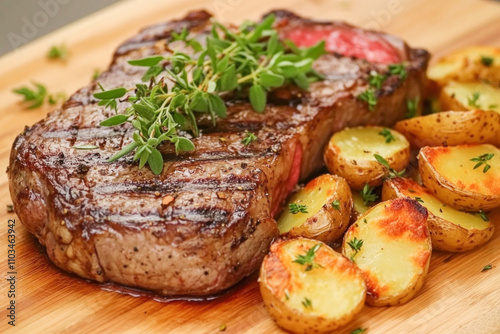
[107, 221]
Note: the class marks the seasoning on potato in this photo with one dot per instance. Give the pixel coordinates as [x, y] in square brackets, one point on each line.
[351, 154]
[321, 210]
[470, 96]
[466, 65]
[391, 245]
[451, 230]
[450, 128]
[466, 177]
[307, 287]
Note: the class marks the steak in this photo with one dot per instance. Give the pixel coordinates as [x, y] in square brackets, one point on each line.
[207, 220]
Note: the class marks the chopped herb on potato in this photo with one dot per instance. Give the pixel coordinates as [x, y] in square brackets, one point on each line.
[368, 195]
[326, 299]
[296, 208]
[451, 230]
[308, 259]
[307, 303]
[321, 210]
[393, 250]
[350, 154]
[473, 100]
[387, 134]
[482, 160]
[487, 61]
[355, 245]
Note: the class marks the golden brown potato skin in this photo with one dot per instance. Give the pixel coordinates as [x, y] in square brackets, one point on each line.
[359, 172]
[452, 128]
[394, 234]
[466, 65]
[459, 96]
[279, 276]
[446, 235]
[454, 194]
[328, 224]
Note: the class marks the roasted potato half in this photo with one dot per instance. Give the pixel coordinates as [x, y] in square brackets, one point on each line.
[321, 210]
[350, 154]
[307, 287]
[451, 230]
[452, 128]
[466, 177]
[391, 245]
[470, 96]
[471, 64]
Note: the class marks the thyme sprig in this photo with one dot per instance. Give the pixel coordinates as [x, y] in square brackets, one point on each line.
[35, 97]
[392, 172]
[250, 61]
[308, 259]
[355, 245]
[483, 160]
[295, 208]
[387, 134]
[368, 194]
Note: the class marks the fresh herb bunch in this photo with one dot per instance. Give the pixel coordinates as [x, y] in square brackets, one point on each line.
[248, 60]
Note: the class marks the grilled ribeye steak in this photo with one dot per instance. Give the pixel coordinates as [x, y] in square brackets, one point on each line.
[115, 222]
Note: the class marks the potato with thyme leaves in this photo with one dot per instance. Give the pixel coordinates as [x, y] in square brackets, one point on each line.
[466, 177]
[321, 210]
[451, 230]
[391, 245]
[307, 287]
[351, 153]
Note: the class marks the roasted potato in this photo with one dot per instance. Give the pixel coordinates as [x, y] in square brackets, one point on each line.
[470, 96]
[350, 154]
[321, 210]
[470, 64]
[451, 230]
[452, 128]
[391, 245]
[307, 287]
[466, 177]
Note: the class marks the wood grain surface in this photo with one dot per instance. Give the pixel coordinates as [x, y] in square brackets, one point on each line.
[457, 296]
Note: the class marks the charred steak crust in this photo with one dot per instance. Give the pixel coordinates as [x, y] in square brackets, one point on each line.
[113, 222]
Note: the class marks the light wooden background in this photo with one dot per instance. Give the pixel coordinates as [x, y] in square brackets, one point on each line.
[457, 297]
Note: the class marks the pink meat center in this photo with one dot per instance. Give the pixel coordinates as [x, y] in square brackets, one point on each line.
[347, 42]
[292, 180]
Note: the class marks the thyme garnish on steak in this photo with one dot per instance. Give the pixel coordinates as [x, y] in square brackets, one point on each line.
[250, 60]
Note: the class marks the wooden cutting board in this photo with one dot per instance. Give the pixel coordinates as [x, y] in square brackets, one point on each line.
[457, 297]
